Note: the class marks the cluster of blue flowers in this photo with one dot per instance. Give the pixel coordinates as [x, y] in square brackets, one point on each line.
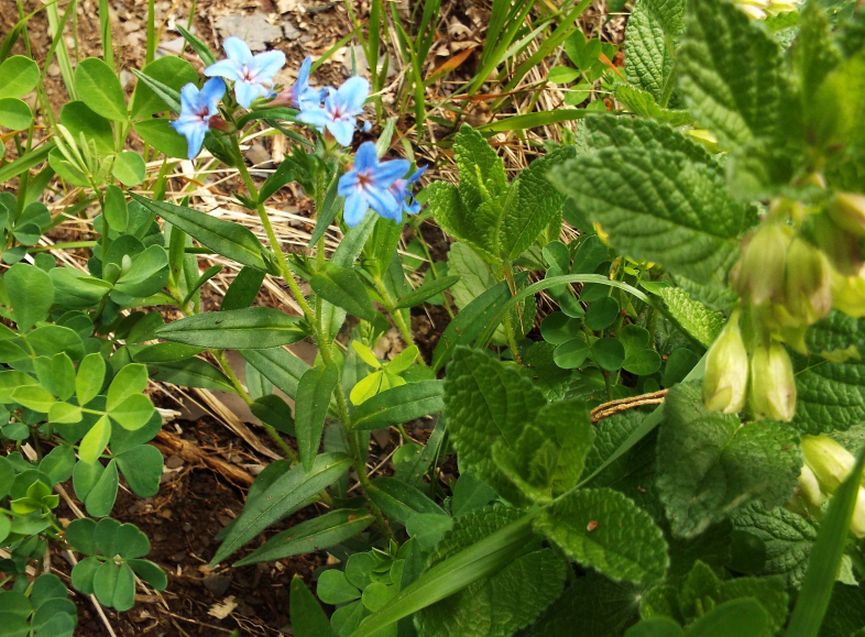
[384, 186]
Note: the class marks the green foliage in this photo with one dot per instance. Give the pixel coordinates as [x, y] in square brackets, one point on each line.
[709, 463]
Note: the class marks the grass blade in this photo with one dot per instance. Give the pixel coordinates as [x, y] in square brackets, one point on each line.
[826, 557]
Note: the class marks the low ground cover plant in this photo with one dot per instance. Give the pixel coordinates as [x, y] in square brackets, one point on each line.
[650, 386]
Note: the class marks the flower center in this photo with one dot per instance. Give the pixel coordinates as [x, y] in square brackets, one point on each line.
[203, 113]
[364, 179]
[246, 74]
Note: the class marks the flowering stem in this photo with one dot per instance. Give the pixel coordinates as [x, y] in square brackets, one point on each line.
[397, 316]
[325, 347]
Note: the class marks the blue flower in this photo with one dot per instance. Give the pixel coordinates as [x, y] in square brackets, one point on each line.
[368, 186]
[302, 95]
[401, 190]
[340, 110]
[196, 109]
[252, 74]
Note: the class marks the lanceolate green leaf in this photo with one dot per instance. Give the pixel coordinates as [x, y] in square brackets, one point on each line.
[480, 560]
[229, 239]
[249, 328]
[311, 535]
[826, 557]
[345, 288]
[284, 496]
[400, 405]
[279, 366]
[307, 617]
[310, 409]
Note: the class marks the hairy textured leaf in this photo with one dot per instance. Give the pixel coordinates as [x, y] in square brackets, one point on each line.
[547, 458]
[733, 82]
[831, 395]
[536, 204]
[785, 540]
[502, 603]
[668, 204]
[486, 401]
[603, 529]
[701, 322]
[709, 464]
[653, 28]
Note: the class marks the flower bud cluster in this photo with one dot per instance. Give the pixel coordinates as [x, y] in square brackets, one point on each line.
[762, 9]
[761, 376]
[826, 465]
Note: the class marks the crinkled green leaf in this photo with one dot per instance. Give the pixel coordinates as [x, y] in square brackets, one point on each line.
[668, 205]
[501, 604]
[603, 529]
[784, 541]
[547, 458]
[701, 322]
[831, 395]
[653, 29]
[486, 401]
[710, 464]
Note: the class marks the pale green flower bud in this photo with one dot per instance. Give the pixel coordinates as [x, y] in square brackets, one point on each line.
[759, 275]
[848, 293]
[857, 522]
[840, 246]
[848, 211]
[773, 387]
[725, 382]
[809, 487]
[808, 282]
[830, 462]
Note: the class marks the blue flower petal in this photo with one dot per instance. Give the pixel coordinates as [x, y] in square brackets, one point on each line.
[303, 73]
[189, 98]
[229, 69]
[342, 131]
[389, 171]
[383, 202]
[317, 117]
[268, 64]
[353, 93]
[238, 51]
[355, 209]
[347, 184]
[245, 92]
[195, 139]
[212, 91]
[366, 157]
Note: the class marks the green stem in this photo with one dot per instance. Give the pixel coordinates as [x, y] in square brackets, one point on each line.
[287, 451]
[510, 332]
[325, 347]
[396, 315]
